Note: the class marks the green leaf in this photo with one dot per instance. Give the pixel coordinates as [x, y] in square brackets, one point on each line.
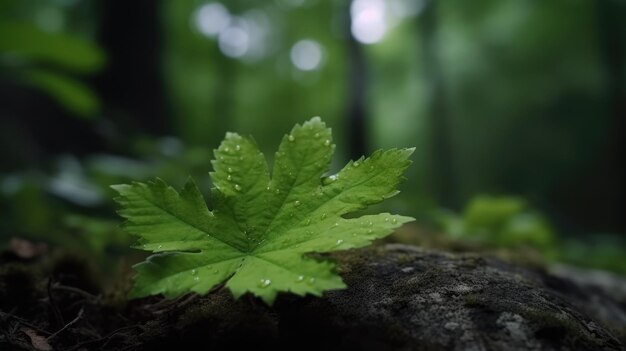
[25, 42]
[70, 93]
[256, 237]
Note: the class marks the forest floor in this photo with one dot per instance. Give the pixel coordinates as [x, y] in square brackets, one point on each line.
[399, 297]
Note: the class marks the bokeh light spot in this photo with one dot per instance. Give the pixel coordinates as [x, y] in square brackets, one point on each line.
[306, 55]
[368, 20]
[234, 41]
[211, 18]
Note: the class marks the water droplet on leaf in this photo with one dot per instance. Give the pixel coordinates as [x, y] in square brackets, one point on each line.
[291, 138]
[237, 187]
[329, 179]
[264, 283]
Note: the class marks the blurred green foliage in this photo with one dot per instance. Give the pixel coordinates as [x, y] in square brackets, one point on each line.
[212, 93]
[600, 251]
[499, 222]
[26, 42]
[50, 61]
[72, 206]
[76, 97]
[509, 222]
[500, 97]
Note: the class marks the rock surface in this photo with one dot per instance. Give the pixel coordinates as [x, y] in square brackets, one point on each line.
[404, 298]
[399, 297]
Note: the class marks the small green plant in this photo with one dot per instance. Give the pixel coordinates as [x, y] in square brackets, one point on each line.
[259, 230]
[500, 221]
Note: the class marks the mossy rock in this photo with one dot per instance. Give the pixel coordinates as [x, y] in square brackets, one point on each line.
[399, 297]
[404, 298]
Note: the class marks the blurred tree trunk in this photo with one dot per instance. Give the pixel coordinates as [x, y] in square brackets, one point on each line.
[357, 85]
[612, 33]
[130, 33]
[438, 117]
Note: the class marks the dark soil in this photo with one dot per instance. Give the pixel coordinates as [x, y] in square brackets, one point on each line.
[399, 298]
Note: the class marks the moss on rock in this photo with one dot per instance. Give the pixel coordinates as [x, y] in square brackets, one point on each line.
[399, 297]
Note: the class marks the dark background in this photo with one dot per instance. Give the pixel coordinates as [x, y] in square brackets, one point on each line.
[516, 108]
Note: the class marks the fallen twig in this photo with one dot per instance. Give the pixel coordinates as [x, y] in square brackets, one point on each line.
[58, 286]
[4, 315]
[78, 316]
[55, 309]
[107, 337]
